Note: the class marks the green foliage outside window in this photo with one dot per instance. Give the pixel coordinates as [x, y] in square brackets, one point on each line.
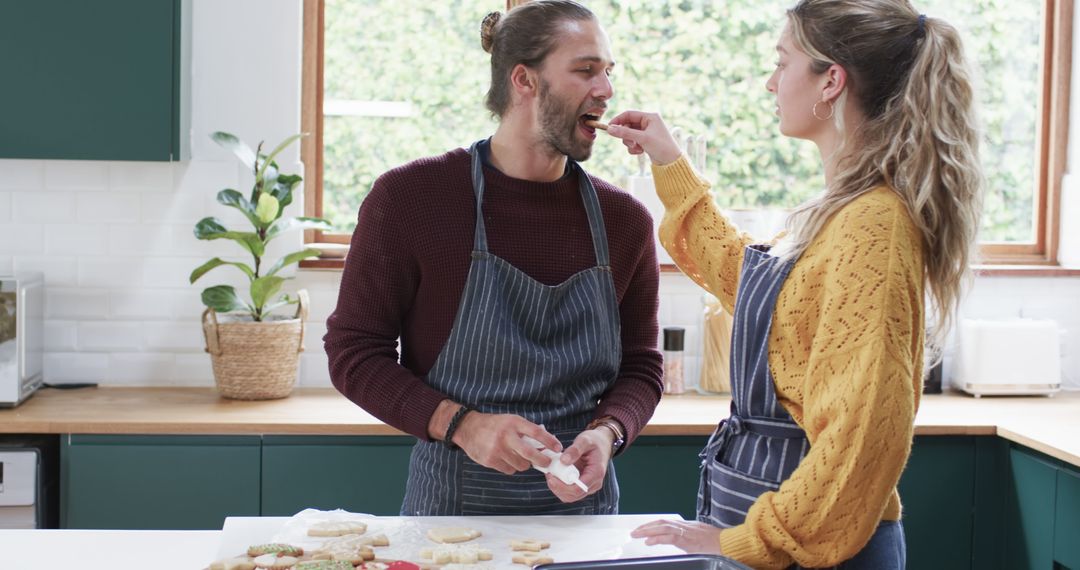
[703, 64]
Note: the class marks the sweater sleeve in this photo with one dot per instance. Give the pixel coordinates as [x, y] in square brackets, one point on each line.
[702, 242]
[633, 397]
[860, 396]
[378, 285]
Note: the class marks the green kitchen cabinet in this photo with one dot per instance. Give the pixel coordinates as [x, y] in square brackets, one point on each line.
[101, 80]
[157, 482]
[1030, 498]
[364, 474]
[1067, 519]
[937, 493]
[659, 474]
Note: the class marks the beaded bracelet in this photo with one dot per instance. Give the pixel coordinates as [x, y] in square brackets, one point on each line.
[455, 421]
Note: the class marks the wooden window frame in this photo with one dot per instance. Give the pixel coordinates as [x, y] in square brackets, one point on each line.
[1052, 138]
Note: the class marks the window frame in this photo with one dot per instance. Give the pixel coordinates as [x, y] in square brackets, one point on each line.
[1038, 257]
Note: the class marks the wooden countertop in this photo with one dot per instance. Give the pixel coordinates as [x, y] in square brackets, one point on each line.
[1049, 425]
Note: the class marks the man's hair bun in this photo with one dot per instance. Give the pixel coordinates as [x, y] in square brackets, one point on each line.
[487, 30]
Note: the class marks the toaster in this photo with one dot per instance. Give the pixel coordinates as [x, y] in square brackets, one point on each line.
[1009, 357]
[22, 324]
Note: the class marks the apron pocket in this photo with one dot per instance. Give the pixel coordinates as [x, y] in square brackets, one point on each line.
[731, 494]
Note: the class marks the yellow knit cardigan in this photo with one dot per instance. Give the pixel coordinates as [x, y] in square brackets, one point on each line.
[846, 354]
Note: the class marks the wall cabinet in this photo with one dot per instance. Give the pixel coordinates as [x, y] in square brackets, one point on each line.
[103, 80]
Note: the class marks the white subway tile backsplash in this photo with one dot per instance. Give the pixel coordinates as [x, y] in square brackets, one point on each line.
[174, 337]
[76, 175]
[315, 370]
[5, 206]
[184, 243]
[110, 336]
[111, 271]
[76, 239]
[21, 239]
[206, 177]
[313, 333]
[141, 303]
[43, 207]
[141, 368]
[175, 272]
[67, 303]
[109, 207]
[187, 303]
[147, 240]
[21, 175]
[60, 336]
[58, 271]
[175, 207]
[323, 302]
[63, 367]
[141, 176]
[193, 370]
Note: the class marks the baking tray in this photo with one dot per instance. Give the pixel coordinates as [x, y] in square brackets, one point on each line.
[680, 562]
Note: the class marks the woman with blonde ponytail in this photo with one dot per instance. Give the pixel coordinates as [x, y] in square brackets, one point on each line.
[827, 346]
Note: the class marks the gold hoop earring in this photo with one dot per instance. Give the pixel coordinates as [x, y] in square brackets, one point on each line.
[819, 117]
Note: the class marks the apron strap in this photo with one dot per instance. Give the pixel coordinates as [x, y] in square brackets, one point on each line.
[588, 197]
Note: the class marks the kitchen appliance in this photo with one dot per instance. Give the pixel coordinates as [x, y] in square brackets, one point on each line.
[1009, 357]
[29, 481]
[679, 562]
[22, 311]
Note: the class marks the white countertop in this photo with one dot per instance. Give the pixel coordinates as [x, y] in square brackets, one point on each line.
[573, 538]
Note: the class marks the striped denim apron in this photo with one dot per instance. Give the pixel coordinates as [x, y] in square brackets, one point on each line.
[518, 346]
[759, 445]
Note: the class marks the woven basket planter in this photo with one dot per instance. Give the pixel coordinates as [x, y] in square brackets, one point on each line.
[255, 360]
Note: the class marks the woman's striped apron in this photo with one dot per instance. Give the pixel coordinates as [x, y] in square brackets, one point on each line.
[759, 445]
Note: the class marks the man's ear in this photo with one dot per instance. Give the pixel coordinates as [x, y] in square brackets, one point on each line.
[524, 81]
[835, 82]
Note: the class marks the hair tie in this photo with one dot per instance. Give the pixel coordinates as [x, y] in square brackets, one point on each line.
[920, 30]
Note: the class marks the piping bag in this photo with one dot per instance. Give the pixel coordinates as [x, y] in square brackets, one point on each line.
[568, 474]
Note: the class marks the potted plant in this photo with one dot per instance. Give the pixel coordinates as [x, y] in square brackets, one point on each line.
[255, 353]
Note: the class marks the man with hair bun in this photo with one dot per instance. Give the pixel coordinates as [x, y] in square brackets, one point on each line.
[523, 291]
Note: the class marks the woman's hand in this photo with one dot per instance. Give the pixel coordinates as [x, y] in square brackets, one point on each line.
[591, 454]
[645, 132]
[494, 441]
[692, 537]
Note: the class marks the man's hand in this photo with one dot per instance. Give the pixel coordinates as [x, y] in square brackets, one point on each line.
[494, 441]
[590, 453]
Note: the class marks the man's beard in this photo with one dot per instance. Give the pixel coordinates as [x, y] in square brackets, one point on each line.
[559, 125]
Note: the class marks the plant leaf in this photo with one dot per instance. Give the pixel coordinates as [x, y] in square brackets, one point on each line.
[264, 288]
[212, 228]
[230, 197]
[223, 299]
[218, 262]
[292, 258]
[237, 146]
[270, 157]
[301, 222]
[267, 210]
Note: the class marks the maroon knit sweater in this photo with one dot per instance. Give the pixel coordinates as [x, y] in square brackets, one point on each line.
[408, 263]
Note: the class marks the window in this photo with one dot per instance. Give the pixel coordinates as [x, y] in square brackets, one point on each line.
[387, 81]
